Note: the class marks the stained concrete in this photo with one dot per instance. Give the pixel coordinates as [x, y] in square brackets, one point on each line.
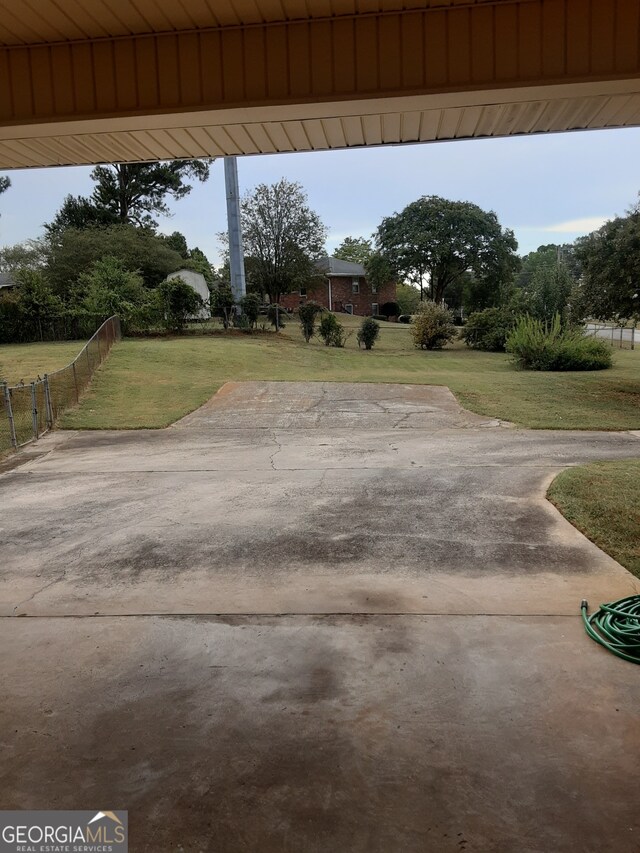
[350, 692]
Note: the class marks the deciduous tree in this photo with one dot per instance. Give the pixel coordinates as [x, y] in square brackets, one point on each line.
[282, 235]
[433, 242]
[355, 249]
[610, 257]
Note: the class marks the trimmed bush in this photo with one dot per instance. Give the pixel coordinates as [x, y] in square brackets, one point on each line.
[540, 346]
[307, 314]
[331, 331]
[368, 332]
[488, 330]
[433, 326]
[250, 305]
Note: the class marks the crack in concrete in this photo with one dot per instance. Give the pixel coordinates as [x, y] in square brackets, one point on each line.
[39, 591]
[273, 455]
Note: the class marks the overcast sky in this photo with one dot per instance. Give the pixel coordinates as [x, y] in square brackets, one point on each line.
[549, 188]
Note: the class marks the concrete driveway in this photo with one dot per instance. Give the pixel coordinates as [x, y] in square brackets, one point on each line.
[315, 617]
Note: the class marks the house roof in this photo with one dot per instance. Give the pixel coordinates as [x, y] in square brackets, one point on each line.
[338, 267]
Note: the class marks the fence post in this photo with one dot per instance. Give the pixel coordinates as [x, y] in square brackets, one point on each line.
[34, 410]
[86, 349]
[99, 350]
[12, 426]
[47, 401]
[633, 336]
[75, 381]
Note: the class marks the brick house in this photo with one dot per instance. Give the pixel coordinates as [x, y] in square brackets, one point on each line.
[341, 286]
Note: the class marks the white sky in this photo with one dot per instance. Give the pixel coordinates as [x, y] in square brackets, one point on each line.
[548, 188]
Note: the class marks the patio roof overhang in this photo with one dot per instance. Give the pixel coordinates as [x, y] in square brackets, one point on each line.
[86, 81]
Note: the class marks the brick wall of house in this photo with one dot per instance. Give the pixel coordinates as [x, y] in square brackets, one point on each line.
[342, 294]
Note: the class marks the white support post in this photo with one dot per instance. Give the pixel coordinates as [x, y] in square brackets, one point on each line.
[236, 251]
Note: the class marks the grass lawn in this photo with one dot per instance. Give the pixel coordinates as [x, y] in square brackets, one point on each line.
[25, 361]
[603, 501]
[152, 382]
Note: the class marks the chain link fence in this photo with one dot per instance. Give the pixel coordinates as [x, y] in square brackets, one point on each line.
[28, 411]
[623, 337]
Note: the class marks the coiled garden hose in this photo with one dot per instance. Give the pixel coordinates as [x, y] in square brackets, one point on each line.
[616, 626]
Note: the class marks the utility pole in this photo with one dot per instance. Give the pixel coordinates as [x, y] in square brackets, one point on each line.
[236, 251]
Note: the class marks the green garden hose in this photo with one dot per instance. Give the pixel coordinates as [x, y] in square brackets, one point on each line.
[616, 627]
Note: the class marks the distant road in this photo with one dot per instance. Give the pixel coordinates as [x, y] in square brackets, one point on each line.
[605, 332]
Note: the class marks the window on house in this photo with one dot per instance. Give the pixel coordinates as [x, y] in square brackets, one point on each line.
[303, 291]
[374, 288]
[374, 308]
[348, 308]
[355, 285]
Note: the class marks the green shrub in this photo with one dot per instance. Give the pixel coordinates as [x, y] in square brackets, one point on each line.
[488, 330]
[222, 302]
[179, 302]
[540, 346]
[331, 331]
[433, 326]
[368, 332]
[250, 305]
[307, 314]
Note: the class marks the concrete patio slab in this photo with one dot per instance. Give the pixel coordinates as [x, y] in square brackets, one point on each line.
[312, 617]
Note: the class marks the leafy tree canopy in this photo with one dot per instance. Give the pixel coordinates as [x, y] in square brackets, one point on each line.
[28, 255]
[76, 250]
[134, 193]
[282, 236]
[610, 258]
[434, 242]
[110, 288]
[408, 297]
[78, 212]
[356, 249]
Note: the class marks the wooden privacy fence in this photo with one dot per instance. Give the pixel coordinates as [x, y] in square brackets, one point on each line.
[27, 411]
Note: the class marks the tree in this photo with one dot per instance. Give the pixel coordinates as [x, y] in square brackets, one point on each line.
[137, 192]
[78, 212]
[110, 288]
[282, 235]
[408, 297]
[179, 303]
[355, 249]
[610, 258]
[5, 183]
[28, 255]
[545, 283]
[38, 302]
[76, 250]
[133, 193]
[177, 242]
[433, 242]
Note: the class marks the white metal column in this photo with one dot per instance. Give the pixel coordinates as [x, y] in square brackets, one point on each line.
[236, 251]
